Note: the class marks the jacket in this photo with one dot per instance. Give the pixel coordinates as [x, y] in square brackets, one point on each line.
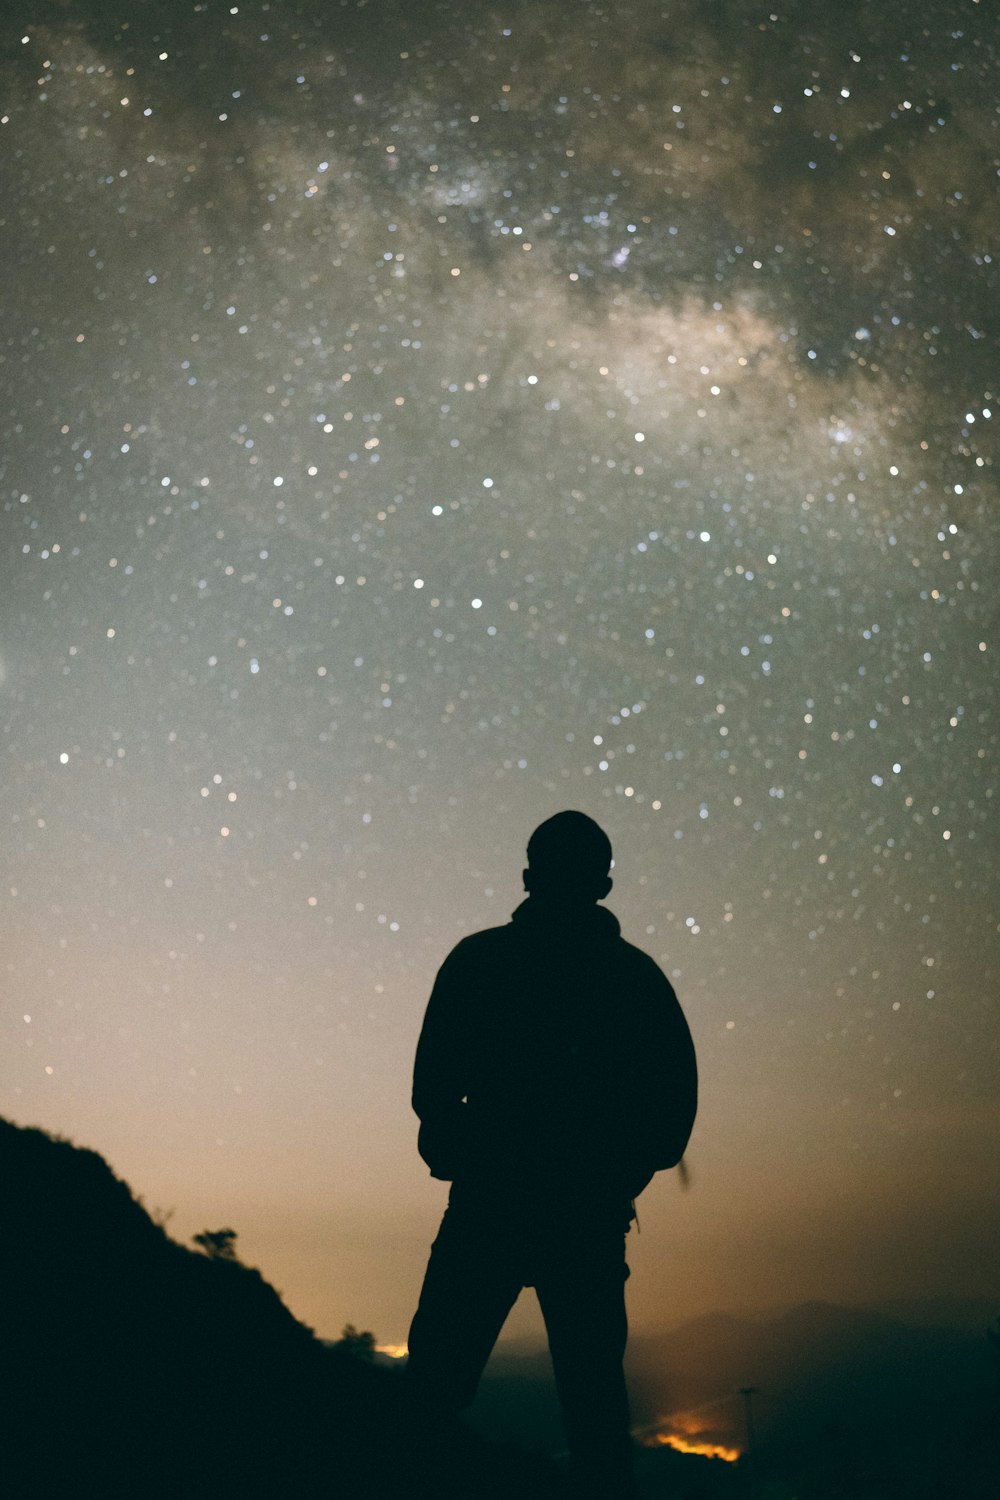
[554, 1056]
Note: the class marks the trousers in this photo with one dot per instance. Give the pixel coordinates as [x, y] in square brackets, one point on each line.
[489, 1247]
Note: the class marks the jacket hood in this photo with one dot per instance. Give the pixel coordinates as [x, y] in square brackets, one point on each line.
[545, 920]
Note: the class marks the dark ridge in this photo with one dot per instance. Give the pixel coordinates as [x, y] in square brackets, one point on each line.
[133, 1368]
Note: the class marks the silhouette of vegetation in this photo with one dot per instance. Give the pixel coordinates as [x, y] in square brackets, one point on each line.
[218, 1244]
[358, 1345]
[134, 1368]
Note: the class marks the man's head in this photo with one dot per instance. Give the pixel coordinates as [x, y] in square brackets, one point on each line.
[569, 857]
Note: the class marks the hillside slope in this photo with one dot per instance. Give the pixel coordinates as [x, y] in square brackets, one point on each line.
[133, 1367]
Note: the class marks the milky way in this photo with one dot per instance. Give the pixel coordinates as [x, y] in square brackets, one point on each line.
[420, 418]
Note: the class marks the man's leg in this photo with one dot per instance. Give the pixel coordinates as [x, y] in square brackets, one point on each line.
[469, 1288]
[583, 1304]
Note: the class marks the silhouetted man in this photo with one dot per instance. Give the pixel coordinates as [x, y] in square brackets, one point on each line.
[554, 1075]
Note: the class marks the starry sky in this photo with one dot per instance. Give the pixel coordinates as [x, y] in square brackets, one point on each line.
[418, 418]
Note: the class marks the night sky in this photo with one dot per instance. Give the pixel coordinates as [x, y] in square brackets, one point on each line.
[420, 418]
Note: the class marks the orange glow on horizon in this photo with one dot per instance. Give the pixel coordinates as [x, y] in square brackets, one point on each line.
[394, 1351]
[690, 1445]
[686, 1435]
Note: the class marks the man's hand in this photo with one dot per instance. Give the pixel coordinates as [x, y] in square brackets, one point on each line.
[443, 1145]
[639, 1180]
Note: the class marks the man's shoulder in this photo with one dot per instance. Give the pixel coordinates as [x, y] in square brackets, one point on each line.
[641, 966]
[482, 945]
[494, 945]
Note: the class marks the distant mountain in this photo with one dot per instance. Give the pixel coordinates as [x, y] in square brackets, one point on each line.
[849, 1402]
[971, 1313]
[132, 1368]
[815, 1364]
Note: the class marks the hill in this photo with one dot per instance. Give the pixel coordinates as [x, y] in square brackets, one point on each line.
[133, 1368]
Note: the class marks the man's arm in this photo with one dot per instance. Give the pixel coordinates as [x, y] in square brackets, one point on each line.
[681, 1085]
[439, 1073]
[666, 1083]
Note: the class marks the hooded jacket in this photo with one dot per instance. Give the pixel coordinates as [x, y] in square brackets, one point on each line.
[554, 1056]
